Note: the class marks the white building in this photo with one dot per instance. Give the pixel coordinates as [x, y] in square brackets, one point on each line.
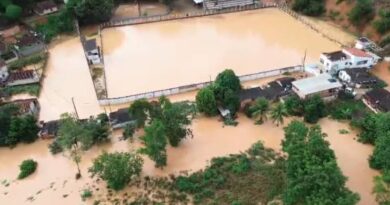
[348, 58]
[323, 85]
[3, 71]
[357, 78]
[92, 52]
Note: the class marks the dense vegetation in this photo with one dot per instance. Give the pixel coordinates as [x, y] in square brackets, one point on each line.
[312, 109]
[375, 129]
[362, 13]
[117, 169]
[62, 22]
[309, 7]
[166, 122]
[382, 25]
[313, 176]
[10, 10]
[223, 92]
[27, 168]
[254, 177]
[15, 128]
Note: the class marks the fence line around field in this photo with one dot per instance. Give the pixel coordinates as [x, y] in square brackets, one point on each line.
[168, 17]
[193, 87]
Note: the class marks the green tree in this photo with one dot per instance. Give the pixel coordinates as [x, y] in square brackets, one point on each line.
[294, 105]
[278, 113]
[206, 102]
[92, 11]
[382, 25]
[231, 101]
[313, 176]
[7, 112]
[227, 79]
[117, 169]
[71, 134]
[23, 129]
[129, 131]
[27, 168]
[155, 143]
[175, 121]
[362, 13]
[314, 108]
[139, 110]
[309, 7]
[13, 12]
[260, 109]
[373, 126]
[380, 159]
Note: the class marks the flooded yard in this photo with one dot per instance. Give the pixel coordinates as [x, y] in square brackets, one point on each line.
[54, 179]
[162, 55]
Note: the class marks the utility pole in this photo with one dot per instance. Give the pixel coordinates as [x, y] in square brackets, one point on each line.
[75, 109]
[304, 60]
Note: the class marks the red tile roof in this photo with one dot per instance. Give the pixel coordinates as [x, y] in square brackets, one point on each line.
[21, 75]
[357, 52]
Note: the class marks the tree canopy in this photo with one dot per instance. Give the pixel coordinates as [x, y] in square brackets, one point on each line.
[362, 12]
[13, 12]
[314, 109]
[15, 128]
[206, 102]
[309, 7]
[117, 168]
[313, 176]
[155, 143]
[259, 109]
[92, 11]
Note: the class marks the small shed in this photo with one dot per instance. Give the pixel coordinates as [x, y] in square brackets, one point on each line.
[121, 118]
[49, 129]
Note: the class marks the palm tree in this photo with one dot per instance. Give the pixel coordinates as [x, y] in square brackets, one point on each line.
[260, 109]
[278, 113]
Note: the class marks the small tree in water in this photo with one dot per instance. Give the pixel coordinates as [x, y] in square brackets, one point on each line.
[278, 113]
[260, 109]
[155, 143]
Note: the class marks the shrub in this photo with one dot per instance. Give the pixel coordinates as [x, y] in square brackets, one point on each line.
[86, 194]
[129, 131]
[27, 168]
[55, 147]
[385, 41]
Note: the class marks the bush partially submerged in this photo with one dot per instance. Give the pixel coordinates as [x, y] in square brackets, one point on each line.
[27, 168]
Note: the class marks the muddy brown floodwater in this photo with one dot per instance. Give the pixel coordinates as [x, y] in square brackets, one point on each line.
[161, 55]
[156, 56]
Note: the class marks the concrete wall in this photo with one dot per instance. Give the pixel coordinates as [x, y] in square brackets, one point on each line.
[192, 87]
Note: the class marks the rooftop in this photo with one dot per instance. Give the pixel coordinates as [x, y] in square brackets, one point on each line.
[120, 116]
[21, 75]
[251, 93]
[27, 40]
[336, 56]
[380, 97]
[50, 128]
[44, 5]
[90, 45]
[361, 75]
[316, 84]
[357, 52]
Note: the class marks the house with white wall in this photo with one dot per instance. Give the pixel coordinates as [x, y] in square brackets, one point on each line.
[323, 85]
[3, 71]
[348, 58]
[357, 78]
[92, 52]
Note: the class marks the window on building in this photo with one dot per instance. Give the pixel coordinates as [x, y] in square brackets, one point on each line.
[362, 62]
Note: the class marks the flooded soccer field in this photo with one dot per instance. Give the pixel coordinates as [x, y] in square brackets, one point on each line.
[162, 55]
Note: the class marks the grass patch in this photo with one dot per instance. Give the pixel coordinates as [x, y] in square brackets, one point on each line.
[97, 73]
[32, 89]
